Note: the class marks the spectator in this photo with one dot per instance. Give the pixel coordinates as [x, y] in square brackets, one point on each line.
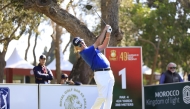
[65, 80]
[42, 74]
[188, 77]
[170, 75]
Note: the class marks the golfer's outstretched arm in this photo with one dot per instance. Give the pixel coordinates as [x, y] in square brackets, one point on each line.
[101, 37]
[105, 43]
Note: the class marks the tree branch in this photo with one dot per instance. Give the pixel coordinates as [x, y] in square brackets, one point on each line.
[62, 17]
[5, 6]
[12, 34]
[4, 39]
[67, 45]
[148, 42]
[52, 45]
[42, 3]
[26, 51]
[35, 43]
[11, 37]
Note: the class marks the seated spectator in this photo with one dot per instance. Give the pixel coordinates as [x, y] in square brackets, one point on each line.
[65, 80]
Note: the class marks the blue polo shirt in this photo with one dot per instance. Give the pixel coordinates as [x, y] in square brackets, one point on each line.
[94, 58]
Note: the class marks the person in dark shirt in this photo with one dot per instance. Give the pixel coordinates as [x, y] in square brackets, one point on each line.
[170, 75]
[42, 74]
[66, 81]
[188, 77]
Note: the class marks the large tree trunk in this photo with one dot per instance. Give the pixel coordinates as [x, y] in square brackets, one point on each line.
[109, 9]
[2, 65]
[51, 9]
[81, 72]
[57, 52]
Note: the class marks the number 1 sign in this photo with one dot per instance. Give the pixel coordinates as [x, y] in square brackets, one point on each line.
[126, 64]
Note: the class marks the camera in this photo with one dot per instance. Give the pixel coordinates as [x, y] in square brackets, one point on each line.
[67, 82]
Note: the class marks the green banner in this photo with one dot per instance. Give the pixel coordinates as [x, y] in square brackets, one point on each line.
[167, 96]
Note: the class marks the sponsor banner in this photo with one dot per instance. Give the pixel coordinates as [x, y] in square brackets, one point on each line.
[126, 64]
[167, 96]
[67, 96]
[4, 98]
[15, 96]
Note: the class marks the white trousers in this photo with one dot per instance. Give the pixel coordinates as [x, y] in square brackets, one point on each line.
[105, 82]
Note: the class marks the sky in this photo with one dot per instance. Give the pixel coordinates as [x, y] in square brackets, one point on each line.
[44, 39]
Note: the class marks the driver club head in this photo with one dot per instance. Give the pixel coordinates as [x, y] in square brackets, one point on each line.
[89, 7]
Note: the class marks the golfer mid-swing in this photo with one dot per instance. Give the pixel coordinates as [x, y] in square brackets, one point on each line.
[100, 65]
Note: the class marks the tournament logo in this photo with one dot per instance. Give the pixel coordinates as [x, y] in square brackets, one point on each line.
[4, 98]
[186, 94]
[73, 99]
[113, 55]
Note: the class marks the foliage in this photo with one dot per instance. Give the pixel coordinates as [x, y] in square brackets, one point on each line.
[14, 22]
[11, 17]
[169, 22]
[125, 23]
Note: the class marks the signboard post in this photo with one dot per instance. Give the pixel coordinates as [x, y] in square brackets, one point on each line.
[126, 64]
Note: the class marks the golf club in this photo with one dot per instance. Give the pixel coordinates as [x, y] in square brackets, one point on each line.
[89, 7]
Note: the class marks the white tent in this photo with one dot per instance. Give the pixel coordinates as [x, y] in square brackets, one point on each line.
[15, 61]
[64, 64]
[146, 70]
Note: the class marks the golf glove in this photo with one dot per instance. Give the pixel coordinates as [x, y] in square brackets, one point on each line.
[109, 30]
